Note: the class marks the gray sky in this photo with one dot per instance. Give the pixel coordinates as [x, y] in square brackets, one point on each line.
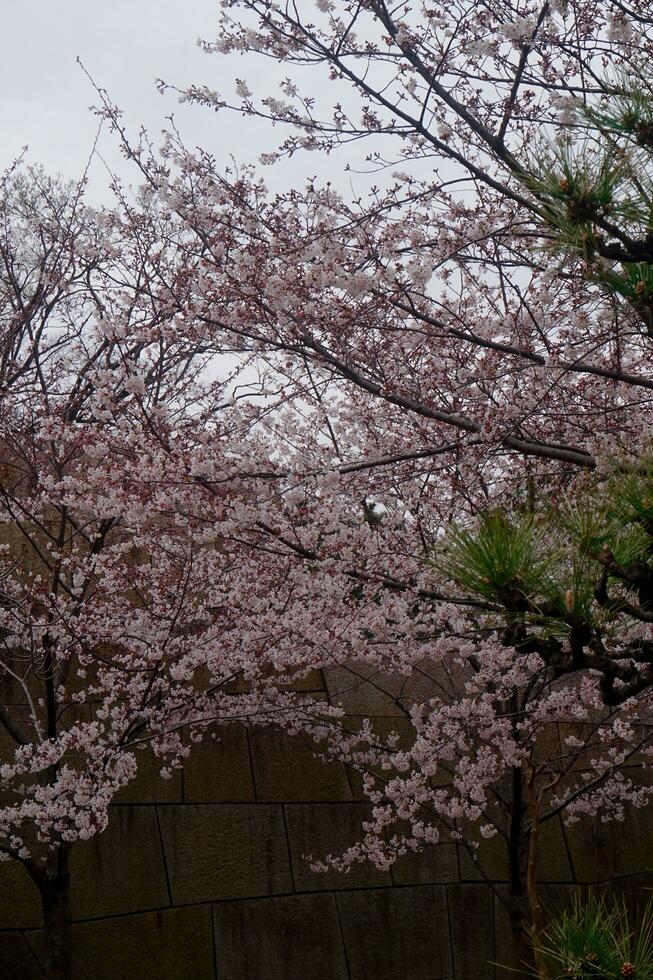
[125, 45]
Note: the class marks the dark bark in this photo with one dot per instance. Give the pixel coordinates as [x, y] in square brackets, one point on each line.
[517, 899]
[54, 885]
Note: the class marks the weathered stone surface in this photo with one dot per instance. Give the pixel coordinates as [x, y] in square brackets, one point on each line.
[435, 865]
[293, 938]
[311, 681]
[225, 851]
[510, 954]
[396, 934]
[553, 862]
[149, 786]
[601, 851]
[488, 860]
[285, 769]
[174, 944]
[472, 932]
[635, 891]
[363, 690]
[328, 828]
[20, 902]
[432, 680]
[17, 961]
[219, 771]
[120, 870]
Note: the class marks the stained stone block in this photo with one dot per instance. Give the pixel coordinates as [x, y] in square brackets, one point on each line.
[19, 712]
[328, 828]
[472, 932]
[17, 961]
[30, 560]
[12, 693]
[20, 902]
[312, 681]
[634, 891]
[219, 770]
[120, 870]
[510, 954]
[174, 944]
[286, 769]
[437, 864]
[492, 854]
[432, 680]
[396, 934]
[553, 862]
[488, 860]
[364, 690]
[225, 851]
[149, 786]
[293, 938]
[600, 851]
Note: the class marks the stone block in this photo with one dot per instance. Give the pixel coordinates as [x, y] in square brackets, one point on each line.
[149, 786]
[437, 864]
[19, 712]
[553, 860]
[433, 681]
[173, 944]
[492, 856]
[311, 680]
[601, 851]
[512, 956]
[328, 828]
[219, 770]
[120, 870]
[286, 769]
[292, 938]
[488, 860]
[364, 690]
[225, 851]
[17, 961]
[634, 892]
[472, 931]
[12, 692]
[396, 934]
[20, 902]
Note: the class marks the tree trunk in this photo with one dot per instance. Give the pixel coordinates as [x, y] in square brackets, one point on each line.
[525, 909]
[517, 901]
[54, 885]
[537, 916]
[535, 907]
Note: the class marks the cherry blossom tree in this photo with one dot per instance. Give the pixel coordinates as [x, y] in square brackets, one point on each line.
[143, 581]
[486, 313]
[250, 435]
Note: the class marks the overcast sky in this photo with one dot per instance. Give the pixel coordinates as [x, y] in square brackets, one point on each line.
[125, 45]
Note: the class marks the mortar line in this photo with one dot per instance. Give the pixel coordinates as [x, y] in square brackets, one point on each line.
[342, 935]
[163, 855]
[290, 864]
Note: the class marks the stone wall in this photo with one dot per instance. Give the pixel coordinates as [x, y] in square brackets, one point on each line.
[202, 877]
